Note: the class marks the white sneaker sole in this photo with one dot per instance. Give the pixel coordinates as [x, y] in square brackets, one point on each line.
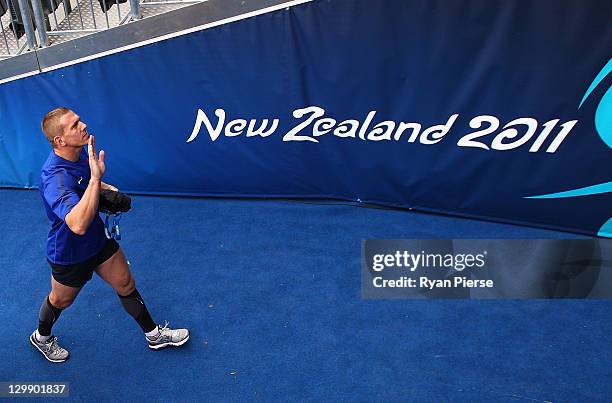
[175, 344]
[45, 355]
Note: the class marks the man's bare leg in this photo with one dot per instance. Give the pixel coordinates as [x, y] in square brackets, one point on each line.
[60, 298]
[116, 272]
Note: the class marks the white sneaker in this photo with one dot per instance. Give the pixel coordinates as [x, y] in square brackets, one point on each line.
[50, 349]
[168, 337]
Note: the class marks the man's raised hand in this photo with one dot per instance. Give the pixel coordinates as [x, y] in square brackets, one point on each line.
[96, 165]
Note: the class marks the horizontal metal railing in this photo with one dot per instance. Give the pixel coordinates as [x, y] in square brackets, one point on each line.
[28, 24]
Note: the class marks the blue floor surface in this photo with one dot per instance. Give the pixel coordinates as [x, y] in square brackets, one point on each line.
[271, 293]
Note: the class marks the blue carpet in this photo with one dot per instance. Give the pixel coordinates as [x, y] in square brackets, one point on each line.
[270, 291]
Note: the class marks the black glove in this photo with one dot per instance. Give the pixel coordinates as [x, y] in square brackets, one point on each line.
[112, 202]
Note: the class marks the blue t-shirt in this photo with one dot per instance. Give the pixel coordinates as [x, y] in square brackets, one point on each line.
[62, 184]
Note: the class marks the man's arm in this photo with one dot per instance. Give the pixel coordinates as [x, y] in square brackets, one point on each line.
[83, 213]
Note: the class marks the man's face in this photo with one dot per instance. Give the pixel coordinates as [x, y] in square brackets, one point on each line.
[74, 133]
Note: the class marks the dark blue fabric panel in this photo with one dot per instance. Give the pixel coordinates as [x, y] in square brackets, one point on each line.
[415, 61]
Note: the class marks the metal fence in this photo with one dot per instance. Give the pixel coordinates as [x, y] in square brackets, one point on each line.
[28, 24]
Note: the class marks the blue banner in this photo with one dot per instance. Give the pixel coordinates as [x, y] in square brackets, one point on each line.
[496, 110]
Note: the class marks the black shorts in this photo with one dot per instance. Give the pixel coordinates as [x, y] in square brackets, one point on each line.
[76, 275]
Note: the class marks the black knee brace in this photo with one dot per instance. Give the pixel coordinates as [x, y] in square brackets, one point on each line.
[47, 316]
[135, 306]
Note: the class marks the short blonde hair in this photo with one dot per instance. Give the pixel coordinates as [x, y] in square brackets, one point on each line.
[50, 124]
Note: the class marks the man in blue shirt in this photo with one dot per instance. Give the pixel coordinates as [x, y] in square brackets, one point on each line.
[71, 180]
